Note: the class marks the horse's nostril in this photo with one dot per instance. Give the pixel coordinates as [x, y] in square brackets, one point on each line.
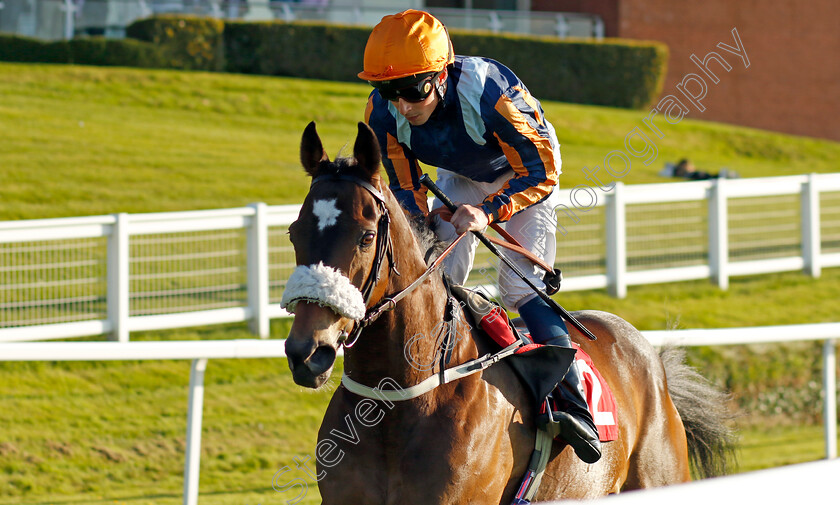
[322, 359]
[308, 361]
[297, 352]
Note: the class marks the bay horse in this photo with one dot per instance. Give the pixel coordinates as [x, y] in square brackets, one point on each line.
[467, 441]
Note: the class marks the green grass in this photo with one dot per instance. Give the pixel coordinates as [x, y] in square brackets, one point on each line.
[114, 432]
[75, 432]
[86, 141]
[762, 447]
[771, 299]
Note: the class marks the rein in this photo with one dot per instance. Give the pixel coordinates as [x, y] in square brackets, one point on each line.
[390, 302]
[507, 241]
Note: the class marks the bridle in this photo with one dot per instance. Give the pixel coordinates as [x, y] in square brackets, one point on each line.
[384, 250]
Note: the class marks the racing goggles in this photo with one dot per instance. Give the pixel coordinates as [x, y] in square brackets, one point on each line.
[414, 88]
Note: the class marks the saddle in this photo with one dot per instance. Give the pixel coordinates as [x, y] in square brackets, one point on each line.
[541, 368]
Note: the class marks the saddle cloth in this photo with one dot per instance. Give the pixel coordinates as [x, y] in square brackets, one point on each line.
[599, 396]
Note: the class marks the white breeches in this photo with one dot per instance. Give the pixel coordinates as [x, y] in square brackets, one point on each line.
[534, 228]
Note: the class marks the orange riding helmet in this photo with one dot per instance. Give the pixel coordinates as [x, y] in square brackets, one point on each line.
[402, 45]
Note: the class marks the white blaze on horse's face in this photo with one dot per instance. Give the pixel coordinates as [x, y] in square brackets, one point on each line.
[327, 213]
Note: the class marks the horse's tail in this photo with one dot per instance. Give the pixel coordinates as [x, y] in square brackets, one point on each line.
[705, 414]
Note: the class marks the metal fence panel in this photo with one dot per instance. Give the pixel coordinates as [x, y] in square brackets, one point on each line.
[187, 271]
[581, 245]
[764, 227]
[281, 261]
[830, 221]
[667, 235]
[52, 281]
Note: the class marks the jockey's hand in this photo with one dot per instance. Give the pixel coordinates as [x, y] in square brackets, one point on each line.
[469, 218]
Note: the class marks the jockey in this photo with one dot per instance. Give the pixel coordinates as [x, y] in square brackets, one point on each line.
[495, 153]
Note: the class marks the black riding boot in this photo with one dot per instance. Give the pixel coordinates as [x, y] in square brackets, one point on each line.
[576, 424]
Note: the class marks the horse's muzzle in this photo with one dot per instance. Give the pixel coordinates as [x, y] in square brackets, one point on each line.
[312, 343]
[311, 364]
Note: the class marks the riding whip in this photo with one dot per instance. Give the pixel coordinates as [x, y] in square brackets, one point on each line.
[426, 181]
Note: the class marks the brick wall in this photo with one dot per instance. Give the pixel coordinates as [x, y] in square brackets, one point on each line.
[607, 9]
[793, 82]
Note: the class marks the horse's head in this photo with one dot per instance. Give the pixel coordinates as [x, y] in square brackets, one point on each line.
[341, 243]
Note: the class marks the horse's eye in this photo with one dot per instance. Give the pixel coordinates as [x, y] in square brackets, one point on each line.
[367, 238]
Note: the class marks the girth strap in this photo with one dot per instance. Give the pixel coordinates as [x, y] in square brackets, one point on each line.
[450, 320]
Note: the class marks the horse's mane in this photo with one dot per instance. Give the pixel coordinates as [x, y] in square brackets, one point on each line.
[428, 241]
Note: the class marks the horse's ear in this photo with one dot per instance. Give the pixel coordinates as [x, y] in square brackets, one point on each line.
[311, 150]
[366, 150]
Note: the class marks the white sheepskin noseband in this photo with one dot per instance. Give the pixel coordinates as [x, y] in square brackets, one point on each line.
[325, 286]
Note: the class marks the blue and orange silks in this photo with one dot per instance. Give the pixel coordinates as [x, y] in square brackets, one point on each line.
[487, 125]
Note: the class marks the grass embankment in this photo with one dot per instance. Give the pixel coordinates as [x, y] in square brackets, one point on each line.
[85, 141]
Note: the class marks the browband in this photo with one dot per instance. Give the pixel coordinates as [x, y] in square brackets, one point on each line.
[355, 180]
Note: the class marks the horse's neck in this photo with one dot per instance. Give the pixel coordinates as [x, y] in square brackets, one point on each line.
[402, 344]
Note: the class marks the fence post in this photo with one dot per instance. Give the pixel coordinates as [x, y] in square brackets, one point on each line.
[69, 9]
[719, 234]
[598, 28]
[192, 463]
[118, 279]
[616, 242]
[830, 406]
[258, 271]
[811, 246]
[561, 27]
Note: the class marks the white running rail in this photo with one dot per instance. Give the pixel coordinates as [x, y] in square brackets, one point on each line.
[803, 483]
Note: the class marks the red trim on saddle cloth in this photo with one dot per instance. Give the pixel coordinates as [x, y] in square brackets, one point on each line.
[527, 347]
[599, 396]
